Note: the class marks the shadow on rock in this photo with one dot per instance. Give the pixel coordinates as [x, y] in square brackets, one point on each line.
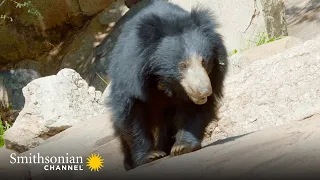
[222, 141]
[308, 12]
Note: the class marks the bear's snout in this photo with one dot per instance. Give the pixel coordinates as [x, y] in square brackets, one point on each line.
[196, 81]
[205, 91]
[199, 94]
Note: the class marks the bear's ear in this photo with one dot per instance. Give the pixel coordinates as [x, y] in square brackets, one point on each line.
[203, 18]
[150, 29]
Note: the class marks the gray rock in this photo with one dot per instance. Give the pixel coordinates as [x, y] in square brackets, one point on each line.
[52, 104]
[11, 84]
[272, 91]
[243, 59]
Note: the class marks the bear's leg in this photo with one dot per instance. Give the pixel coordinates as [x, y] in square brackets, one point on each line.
[191, 128]
[188, 139]
[165, 134]
[137, 139]
[127, 161]
[130, 162]
[165, 138]
[137, 145]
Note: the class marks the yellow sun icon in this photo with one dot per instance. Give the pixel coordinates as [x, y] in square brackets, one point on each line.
[94, 162]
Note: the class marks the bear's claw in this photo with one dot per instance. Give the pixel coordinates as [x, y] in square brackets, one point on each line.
[183, 148]
[155, 155]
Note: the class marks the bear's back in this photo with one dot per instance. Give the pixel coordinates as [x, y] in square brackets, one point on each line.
[125, 59]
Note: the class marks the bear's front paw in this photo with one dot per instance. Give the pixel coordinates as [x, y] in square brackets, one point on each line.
[180, 148]
[155, 155]
[152, 156]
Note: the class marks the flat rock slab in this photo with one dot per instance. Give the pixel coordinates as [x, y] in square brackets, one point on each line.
[11, 171]
[285, 151]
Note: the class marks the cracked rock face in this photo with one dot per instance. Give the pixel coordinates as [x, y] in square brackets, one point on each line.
[244, 21]
[52, 104]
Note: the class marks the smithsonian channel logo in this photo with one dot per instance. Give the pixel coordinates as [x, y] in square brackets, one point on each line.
[60, 163]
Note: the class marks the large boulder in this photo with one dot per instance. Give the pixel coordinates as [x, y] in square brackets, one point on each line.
[244, 22]
[52, 104]
[271, 91]
[44, 23]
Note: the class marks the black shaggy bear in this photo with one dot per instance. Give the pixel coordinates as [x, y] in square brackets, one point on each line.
[167, 71]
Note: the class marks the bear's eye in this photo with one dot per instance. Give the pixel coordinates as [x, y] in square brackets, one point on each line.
[203, 62]
[183, 66]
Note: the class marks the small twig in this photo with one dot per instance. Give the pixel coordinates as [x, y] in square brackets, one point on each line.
[2, 2]
[253, 15]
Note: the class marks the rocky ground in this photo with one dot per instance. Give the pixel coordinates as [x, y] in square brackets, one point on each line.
[286, 151]
[271, 91]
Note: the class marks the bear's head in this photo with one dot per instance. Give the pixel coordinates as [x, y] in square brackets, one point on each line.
[186, 53]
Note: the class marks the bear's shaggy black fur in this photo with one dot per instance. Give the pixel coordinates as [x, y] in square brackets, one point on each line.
[153, 81]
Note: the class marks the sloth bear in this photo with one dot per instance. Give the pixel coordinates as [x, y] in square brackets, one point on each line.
[167, 71]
